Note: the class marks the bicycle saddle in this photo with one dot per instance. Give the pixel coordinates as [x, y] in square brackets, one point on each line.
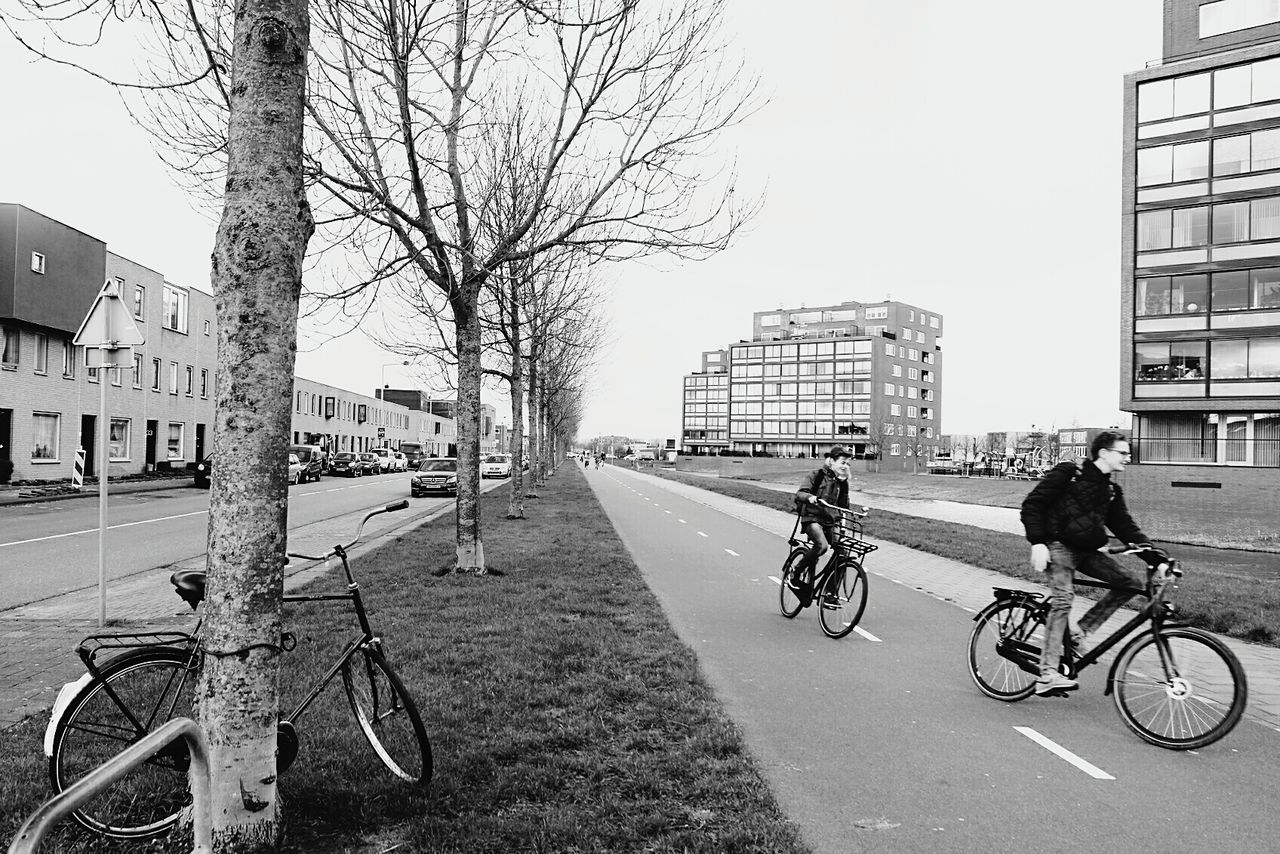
[189, 584]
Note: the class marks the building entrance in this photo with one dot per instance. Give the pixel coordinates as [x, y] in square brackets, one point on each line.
[88, 444]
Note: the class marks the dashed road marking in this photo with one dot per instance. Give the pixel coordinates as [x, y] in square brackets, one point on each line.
[700, 534]
[732, 552]
[682, 522]
[1060, 751]
[668, 512]
[866, 634]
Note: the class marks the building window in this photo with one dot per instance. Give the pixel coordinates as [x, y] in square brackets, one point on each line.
[1226, 16]
[42, 353]
[155, 374]
[1258, 219]
[1171, 295]
[37, 263]
[118, 439]
[888, 389]
[68, 359]
[897, 370]
[1165, 362]
[139, 301]
[1177, 96]
[1167, 164]
[174, 448]
[189, 378]
[44, 433]
[173, 378]
[1244, 289]
[1173, 229]
[204, 382]
[12, 341]
[206, 327]
[115, 375]
[878, 313]
[137, 370]
[175, 309]
[895, 409]
[1258, 358]
[895, 450]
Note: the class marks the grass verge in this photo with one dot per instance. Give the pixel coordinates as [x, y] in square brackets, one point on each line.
[1209, 597]
[564, 713]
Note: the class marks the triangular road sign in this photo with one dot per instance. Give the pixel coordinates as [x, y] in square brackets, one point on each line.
[108, 323]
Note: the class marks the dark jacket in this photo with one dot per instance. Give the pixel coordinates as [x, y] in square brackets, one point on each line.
[827, 487]
[1076, 510]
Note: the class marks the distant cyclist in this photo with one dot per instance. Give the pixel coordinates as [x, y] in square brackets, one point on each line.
[830, 483]
[1066, 517]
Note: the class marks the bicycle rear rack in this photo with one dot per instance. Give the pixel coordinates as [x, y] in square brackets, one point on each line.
[89, 648]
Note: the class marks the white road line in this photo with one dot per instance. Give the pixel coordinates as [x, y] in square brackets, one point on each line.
[1057, 749]
[682, 522]
[668, 512]
[732, 552]
[775, 579]
[866, 634]
[700, 534]
[95, 530]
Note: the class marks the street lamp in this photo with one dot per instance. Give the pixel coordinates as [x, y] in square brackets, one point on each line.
[386, 365]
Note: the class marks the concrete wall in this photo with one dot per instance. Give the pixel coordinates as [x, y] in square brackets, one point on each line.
[1224, 501]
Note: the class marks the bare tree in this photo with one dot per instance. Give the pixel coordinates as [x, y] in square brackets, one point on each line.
[257, 278]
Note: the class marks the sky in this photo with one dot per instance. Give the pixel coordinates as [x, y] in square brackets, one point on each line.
[961, 157]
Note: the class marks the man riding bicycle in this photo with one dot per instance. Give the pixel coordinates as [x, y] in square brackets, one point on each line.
[1066, 517]
[830, 483]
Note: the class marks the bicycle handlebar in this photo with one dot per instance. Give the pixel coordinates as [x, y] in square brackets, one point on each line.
[1155, 558]
[854, 513]
[390, 508]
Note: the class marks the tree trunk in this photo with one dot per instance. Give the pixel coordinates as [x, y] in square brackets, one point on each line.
[515, 508]
[257, 277]
[470, 549]
[534, 446]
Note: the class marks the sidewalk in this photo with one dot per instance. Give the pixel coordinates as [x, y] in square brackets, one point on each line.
[10, 494]
[970, 587]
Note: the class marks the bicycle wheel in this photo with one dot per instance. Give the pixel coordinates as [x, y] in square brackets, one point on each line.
[788, 601]
[843, 599]
[1004, 650]
[387, 716]
[137, 692]
[1183, 691]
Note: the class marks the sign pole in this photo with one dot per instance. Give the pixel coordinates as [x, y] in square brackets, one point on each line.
[102, 496]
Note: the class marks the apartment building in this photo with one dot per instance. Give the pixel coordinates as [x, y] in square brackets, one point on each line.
[1200, 274]
[160, 411]
[341, 420]
[865, 375]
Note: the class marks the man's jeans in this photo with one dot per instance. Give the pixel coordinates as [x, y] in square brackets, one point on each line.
[1064, 561]
[819, 535]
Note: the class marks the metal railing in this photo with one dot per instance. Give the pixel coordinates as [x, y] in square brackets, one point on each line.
[99, 779]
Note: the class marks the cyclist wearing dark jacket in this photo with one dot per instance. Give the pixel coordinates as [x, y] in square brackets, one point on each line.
[1066, 518]
[830, 484]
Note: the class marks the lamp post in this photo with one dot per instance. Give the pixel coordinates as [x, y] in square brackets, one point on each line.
[386, 365]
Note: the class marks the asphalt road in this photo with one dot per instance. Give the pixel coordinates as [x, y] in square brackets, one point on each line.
[52, 548]
[880, 741]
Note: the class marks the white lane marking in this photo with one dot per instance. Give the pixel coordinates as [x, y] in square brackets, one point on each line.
[700, 534]
[109, 528]
[775, 579]
[683, 522]
[866, 634]
[732, 552]
[668, 512]
[1060, 751]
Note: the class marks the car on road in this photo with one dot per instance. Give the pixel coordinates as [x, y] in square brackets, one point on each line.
[386, 459]
[347, 464]
[435, 475]
[401, 462]
[311, 456]
[496, 465]
[203, 472]
[296, 469]
[370, 463]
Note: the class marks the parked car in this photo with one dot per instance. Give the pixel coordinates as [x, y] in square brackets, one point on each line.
[496, 465]
[311, 456]
[369, 460]
[204, 471]
[296, 469]
[401, 462]
[385, 459]
[435, 475]
[347, 464]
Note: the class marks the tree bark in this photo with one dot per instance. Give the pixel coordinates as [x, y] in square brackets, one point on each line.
[515, 507]
[470, 549]
[257, 278]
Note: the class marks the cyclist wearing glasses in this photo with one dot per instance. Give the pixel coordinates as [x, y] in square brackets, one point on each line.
[1066, 517]
[831, 484]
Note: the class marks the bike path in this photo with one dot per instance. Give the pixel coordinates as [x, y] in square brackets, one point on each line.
[970, 587]
[882, 742]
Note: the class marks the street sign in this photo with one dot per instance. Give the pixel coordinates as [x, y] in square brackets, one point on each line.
[382, 432]
[109, 324]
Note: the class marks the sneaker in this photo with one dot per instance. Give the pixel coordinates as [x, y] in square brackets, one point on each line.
[830, 600]
[1055, 683]
[797, 582]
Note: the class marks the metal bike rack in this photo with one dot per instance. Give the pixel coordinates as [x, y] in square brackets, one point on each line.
[101, 778]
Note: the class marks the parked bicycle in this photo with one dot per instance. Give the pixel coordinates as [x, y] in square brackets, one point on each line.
[150, 678]
[840, 588]
[1175, 686]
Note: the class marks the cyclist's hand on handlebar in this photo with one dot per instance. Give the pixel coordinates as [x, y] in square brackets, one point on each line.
[813, 499]
[1040, 557]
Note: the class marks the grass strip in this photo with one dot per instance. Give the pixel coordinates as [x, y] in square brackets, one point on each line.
[1222, 602]
[564, 713]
